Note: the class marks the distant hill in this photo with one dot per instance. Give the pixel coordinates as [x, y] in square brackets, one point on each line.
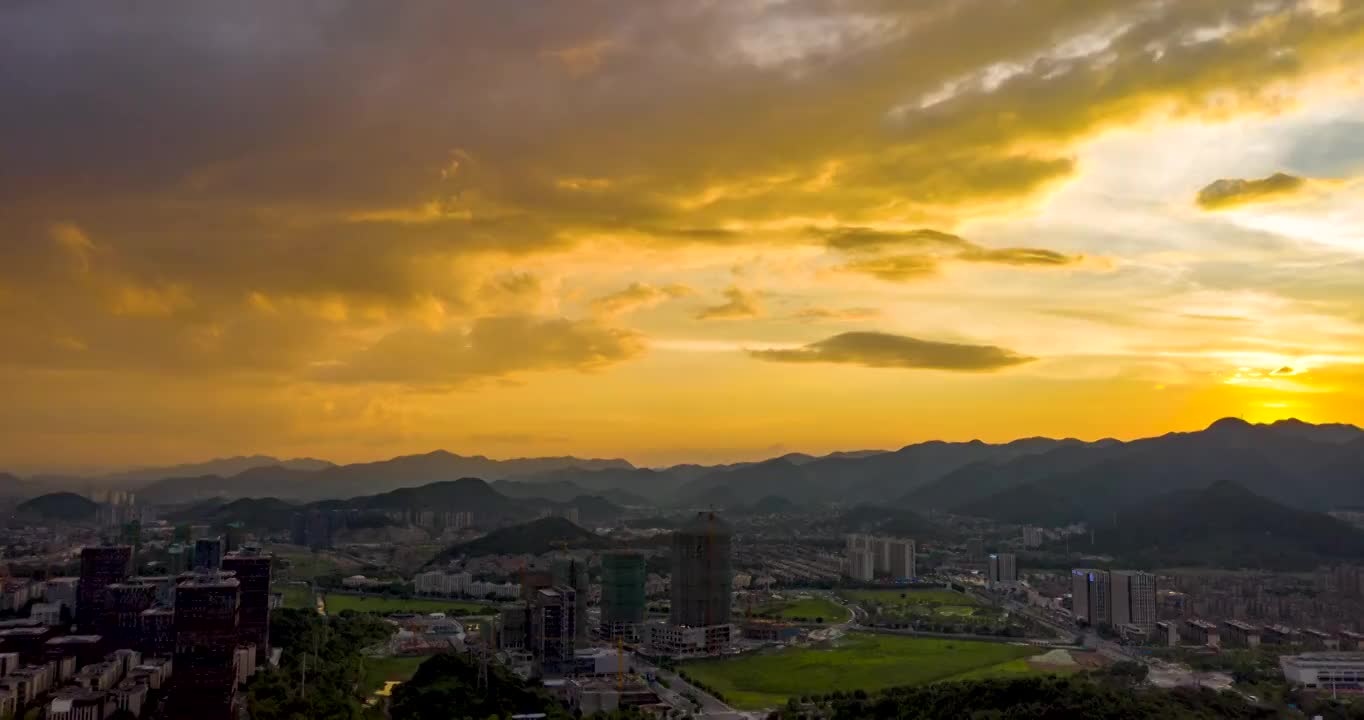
[257, 513]
[653, 486]
[1290, 463]
[1226, 525]
[13, 487]
[466, 494]
[342, 481]
[770, 505]
[564, 491]
[64, 506]
[135, 479]
[532, 538]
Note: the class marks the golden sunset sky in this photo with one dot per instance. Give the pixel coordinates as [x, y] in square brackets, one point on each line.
[671, 231]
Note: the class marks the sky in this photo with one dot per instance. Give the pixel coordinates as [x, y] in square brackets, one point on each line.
[671, 231]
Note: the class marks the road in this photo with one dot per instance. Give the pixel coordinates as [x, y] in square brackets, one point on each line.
[710, 707]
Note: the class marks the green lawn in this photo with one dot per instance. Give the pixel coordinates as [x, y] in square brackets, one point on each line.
[295, 596]
[908, 597]
[805, 610]
[385, 605]
[859, 661]
[379, 670]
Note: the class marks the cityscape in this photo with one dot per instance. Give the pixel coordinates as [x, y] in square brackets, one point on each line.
[689, 360]
[157, 603]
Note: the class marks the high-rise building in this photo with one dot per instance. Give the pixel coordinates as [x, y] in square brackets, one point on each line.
[701, 572]
[572, 572]
[206, 634]
[252, 570]
[1032, 537]
[1134, 599]
[1090, 596]
[1003, 570]
[208, 553]
[158, 632]
[880, 551]
[902, 565]
[622, 594]
[552, 630]
[100, 567]
[861, 565]
[975, 549]
[120, 621]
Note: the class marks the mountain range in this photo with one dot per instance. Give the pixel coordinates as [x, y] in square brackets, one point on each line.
[1031, 480]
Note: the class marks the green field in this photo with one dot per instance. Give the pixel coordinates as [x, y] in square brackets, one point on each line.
[386, 605]
[858, 661]
[379, 670]
[908, 597]
[809, 609]
[295, 596]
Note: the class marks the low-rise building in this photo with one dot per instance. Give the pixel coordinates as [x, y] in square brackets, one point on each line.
[1240, 634]
[77, 704]
[131, 696]
[1333, 672]
[605, 696]
[1167, 633]
[49, 614]
[682, 640]
[1201, 632]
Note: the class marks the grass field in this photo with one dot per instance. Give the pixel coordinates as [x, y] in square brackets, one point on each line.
[385, 605]
[380, 670]
[295, 596]
[805, 610]
[859, 661]
[908, 597]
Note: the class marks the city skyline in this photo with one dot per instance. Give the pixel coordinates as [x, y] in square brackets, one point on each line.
[699, 233]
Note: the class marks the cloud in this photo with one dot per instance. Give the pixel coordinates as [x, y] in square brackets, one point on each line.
[1235, 192]
[884, 350]
[638, 296]
[741, 304]
[492, 347]
[850, 314]
[903, 255]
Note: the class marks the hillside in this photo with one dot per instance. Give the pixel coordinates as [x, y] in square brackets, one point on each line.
[342, 481]
[256, 513]
[564, 491]
[652, 486]
[13, 487]
[1285, 462]
[532, 538]
[466, 494]
[63, 506]
[1226, 525]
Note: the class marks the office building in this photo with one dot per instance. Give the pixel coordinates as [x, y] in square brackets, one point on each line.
[121, 621]
[622, 594]
[206, 632]
[100, 567]
[553, 631]
[1333, 672]
[1090, 597]
[208, 554]
[701, 572]
[1002, 571]
[1133, 599]
[252, 568]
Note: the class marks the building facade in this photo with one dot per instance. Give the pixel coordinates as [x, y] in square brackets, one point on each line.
[1133, 599]
[100, 567]
[622, 594]
[206, 633]
[701, 572]
[252, 568]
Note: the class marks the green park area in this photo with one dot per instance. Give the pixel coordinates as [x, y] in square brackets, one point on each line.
[945, 605]
[379, 670]
[855, 661]
[907, 598]
[810, 609]
[336, 603]
[294, 595]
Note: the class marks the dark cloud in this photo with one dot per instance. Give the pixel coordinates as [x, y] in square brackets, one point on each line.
[740, 304]
[850, 314]
[637, 296]
[884, 350]
[493, 347]
[1234, 192]
[899, 256]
